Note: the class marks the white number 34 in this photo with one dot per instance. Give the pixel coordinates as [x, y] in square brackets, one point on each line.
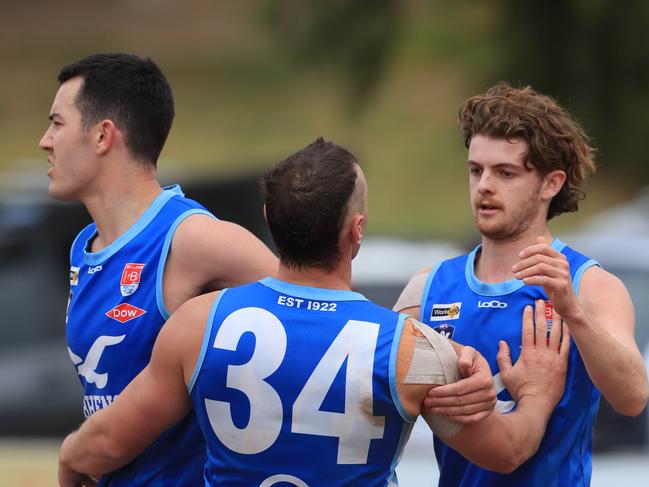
[354, 428]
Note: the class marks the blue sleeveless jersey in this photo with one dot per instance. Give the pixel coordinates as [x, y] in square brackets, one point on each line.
[480, 314]
[114, 315]
[296, 386]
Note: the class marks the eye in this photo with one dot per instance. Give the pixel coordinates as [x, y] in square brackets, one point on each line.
[507, 174]
[475, 171]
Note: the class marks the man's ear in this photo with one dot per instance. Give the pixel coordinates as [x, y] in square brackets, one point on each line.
[552, 184]
[104, 136]
[357, 228]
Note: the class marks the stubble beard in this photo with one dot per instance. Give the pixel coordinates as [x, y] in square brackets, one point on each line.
[506, 227]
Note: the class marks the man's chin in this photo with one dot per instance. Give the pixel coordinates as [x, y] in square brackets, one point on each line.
[57, 193]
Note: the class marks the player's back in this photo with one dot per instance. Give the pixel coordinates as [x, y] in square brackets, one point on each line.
[297, 384]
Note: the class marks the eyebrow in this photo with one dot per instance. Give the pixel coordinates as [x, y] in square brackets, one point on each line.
[499, 165]
[52, 116]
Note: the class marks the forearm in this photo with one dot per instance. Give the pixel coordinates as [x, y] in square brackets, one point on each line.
[617, 371]
[92, 450]
[502, 442]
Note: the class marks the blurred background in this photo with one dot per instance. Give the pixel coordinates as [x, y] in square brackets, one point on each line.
[255, 80]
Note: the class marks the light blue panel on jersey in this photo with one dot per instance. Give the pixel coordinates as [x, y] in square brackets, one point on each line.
[293, 388]
[113, 320]
[479, 314]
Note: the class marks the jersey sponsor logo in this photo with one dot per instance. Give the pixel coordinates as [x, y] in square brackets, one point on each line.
[125, 312]
[445, 330]
[74, 275]
[92, 270]
[444, 312]
[130, 280]
[87, 367]
[491, 304]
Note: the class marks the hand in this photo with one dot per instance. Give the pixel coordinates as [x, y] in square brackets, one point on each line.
[541, 265]
[470, 399]
[540, 371]
[68, 477]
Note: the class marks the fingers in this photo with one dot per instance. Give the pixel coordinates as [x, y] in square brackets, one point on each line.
[540, 247]
[527, 334]
[479, 400]
[539, 266]
[503, 358]
[564, 348]
[540, 324]
[464, 414]
[554, 324]
[466, 360]
[463, 387]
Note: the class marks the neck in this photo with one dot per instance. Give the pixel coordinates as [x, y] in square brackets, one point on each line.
[117, 203]
[337, 278]
[496, 258]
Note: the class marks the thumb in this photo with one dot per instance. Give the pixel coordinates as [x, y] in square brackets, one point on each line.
[465, 361]
[504, 359]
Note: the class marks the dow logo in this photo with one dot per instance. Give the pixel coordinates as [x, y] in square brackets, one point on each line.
[125, 312]
[491, 304]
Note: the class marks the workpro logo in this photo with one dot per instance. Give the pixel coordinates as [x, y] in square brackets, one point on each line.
[444, 312]
[491, 304]
[125, 312]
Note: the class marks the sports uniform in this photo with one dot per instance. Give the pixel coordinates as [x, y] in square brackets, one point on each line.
[115, 312]
[297, 385]
[458, 305]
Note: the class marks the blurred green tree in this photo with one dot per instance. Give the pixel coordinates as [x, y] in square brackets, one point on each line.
[353, 38]
[593, 55]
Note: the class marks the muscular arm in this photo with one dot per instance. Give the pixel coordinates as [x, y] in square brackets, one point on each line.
[155, 400]
[601, 322]
[501, 442]
[208, 255]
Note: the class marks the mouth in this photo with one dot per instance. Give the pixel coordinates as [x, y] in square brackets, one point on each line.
[487, 209]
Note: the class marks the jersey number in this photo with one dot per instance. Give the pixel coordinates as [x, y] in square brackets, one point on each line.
[355, 428]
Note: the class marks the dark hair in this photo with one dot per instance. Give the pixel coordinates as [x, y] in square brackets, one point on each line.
[129, 90]
[555, 139]
[307, 196]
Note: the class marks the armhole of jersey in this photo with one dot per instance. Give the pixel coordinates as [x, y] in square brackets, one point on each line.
[206, 341]
[580, 272]
[424, 295]
[392, 370]
[165, 252]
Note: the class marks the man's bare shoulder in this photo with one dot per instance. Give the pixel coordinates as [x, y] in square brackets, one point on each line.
[599, 283]
[410, 298]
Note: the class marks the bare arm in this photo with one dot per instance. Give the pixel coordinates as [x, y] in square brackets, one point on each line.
[470, 399]
[155, 400]
[501, 442]
[210, 255]
[601, 321]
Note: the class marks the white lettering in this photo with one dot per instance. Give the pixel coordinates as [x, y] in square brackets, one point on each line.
[491, 304]
[289, 301]
[93, 403]
[92, 270]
